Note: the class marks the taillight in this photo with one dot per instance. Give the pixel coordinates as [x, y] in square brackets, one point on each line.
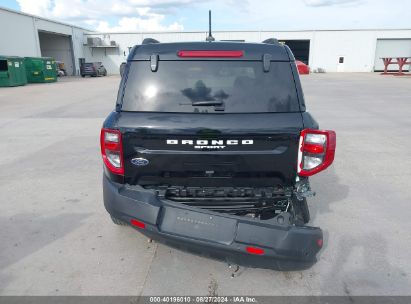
[112, 150]
[316, 151]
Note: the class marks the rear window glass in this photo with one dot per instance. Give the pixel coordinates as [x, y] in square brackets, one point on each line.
[228, 86]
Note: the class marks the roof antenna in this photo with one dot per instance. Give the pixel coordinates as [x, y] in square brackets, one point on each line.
[210, 37]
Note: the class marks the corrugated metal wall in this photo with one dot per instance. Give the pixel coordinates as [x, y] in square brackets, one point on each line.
[358, 47]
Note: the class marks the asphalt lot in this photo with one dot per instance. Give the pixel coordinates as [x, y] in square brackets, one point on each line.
[57, 239]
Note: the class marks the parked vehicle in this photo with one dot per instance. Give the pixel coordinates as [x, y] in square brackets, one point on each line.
[210, 148]
[303, 69]
[93, 69]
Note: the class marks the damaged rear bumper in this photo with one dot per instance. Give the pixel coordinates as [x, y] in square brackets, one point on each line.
[240, 240]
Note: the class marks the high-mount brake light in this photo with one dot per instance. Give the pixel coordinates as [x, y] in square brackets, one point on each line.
[112, 150]
[211, 53]
[316, 151]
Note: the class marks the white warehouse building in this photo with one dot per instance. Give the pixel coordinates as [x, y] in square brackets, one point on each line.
[331, 50]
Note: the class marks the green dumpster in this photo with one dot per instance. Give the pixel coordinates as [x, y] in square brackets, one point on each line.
[40, 69]
[12, 71]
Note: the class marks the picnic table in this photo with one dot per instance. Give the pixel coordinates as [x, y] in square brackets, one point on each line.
[401, 61]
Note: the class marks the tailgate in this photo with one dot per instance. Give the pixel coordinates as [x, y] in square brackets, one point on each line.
[234, 150]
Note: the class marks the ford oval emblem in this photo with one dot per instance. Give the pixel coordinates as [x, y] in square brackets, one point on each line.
[139, 161]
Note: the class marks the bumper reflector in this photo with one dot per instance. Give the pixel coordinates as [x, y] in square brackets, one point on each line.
[138, 224]
[254, 250]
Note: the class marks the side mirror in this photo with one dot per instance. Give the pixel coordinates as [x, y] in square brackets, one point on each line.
[122, 67]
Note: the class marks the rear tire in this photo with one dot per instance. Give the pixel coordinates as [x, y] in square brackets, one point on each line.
[302, 213]
[83, 76]
[117, 221]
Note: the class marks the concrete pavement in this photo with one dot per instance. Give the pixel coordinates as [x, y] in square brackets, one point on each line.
[57, 239]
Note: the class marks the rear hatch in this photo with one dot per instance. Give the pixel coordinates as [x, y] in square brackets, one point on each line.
[210, 124]
[88, 68]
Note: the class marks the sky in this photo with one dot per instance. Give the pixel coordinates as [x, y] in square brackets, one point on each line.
[192, 15]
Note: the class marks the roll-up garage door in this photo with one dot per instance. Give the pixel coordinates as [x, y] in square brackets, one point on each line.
[391, 48]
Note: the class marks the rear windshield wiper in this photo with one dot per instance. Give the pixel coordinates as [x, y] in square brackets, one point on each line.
[206, 103]
[218, 105]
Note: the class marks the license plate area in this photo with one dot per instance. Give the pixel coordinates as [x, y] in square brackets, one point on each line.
[198, 225]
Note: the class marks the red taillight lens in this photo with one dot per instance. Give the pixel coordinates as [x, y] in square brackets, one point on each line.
[112, 150]
[254, 250]
[214, 54]
[316, 151]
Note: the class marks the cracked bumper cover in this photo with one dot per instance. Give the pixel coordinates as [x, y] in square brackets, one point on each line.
[286, 247]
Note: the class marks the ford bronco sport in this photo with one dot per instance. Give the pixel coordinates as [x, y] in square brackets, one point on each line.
[210, 148]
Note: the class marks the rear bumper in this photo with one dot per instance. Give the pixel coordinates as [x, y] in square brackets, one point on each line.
[286, 247]
[88, 73]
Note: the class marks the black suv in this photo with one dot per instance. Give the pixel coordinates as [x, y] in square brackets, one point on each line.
[210, 148]
[93, 69]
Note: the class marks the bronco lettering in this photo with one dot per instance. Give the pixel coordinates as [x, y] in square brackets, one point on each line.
[206, 142]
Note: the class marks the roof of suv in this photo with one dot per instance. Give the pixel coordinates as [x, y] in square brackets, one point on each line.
[251, 51]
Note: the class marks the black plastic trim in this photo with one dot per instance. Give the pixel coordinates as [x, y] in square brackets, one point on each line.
[286, 247]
